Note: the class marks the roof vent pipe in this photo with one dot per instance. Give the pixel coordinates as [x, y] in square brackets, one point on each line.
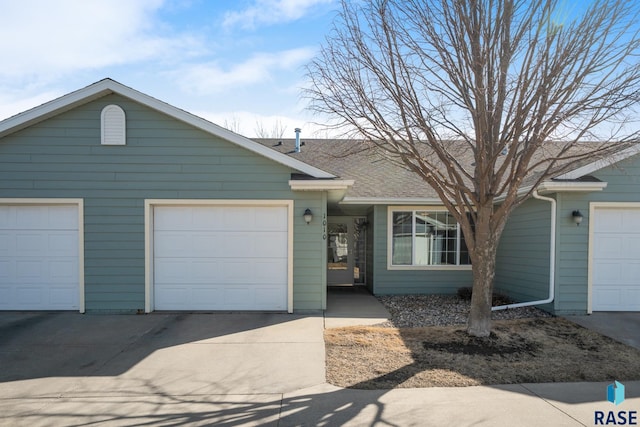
[297, 130]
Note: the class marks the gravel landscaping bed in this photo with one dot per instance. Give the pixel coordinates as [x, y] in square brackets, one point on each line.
[414, 311]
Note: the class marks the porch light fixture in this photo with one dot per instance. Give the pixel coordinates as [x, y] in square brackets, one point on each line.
[308, 216]
[577, 217]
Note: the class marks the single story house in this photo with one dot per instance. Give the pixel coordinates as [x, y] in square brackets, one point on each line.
[114, 201]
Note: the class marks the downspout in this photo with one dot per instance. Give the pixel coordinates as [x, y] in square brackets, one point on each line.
[552, 260]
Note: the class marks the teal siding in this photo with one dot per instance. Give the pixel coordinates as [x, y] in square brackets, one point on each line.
[623, 182]
[521, 270]
[409, 282]
[522, 267]
[163, 159]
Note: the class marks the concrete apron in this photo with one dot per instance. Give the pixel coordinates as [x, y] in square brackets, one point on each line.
[48, 355]
[621, 326]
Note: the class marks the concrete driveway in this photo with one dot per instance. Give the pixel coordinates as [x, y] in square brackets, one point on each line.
[621, 326]
[114, 362]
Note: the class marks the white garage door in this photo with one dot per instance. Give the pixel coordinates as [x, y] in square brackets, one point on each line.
[616, 259]
[220, 258]
[39, 258]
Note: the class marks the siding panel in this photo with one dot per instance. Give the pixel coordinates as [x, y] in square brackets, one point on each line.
[163, 159]
[522, 268]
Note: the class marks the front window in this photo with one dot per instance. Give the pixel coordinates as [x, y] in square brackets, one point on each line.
[427, 238]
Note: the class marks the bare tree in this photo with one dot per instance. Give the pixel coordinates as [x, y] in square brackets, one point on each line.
[233, 124]
[431, 83]
[277, 130]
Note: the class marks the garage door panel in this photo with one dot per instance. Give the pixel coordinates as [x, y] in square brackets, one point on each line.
[608, 247]
[630, 246]
[63, 244]
[39, 257]
[239, 218]
[616, 259]
[274, 219]
[273, 243]
[267, 297]
[236, 271]
[608, 220]
[272, 271]
[62, 296]
[28, 270]
[172, 295]
[221, 258]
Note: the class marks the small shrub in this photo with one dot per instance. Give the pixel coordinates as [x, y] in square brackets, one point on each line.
[497, 299]
[464, 293]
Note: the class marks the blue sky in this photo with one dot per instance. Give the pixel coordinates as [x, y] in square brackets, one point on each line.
[234, 62]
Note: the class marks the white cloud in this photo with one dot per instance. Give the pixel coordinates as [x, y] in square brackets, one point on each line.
[271, 12]
[210, 78]
[43, 40]
[12, 104]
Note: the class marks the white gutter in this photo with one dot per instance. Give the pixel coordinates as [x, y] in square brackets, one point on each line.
[320, 185]
[390, 201]
[552, 261]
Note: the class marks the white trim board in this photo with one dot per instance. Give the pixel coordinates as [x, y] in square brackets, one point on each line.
[149, 204]
[107, 86]
[391, 267]
[61, 202]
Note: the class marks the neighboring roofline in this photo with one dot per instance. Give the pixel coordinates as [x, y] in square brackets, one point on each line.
[320, 185]
[107, 86]
[601, 163]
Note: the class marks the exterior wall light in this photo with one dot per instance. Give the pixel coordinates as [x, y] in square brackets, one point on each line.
[577, 217]
[308, 216]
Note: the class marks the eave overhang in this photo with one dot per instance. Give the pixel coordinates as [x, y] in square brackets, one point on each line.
[320, 185]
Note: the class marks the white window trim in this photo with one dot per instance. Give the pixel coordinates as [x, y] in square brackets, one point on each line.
[63, 202]
[390, 266]
[150, 204]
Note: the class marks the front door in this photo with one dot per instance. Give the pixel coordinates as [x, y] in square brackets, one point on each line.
[345, 251]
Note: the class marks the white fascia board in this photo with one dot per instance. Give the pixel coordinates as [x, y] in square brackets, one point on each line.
[562, 186]
[108, 86]
[314, 185]
[601, 163]
[54, 107]
[391, 201]
[570, 186]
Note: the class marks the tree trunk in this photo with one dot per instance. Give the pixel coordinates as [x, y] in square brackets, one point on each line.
[484, 270]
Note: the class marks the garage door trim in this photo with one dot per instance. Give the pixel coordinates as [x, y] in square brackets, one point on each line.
[79, 203]
[149, 206]
[593, 206]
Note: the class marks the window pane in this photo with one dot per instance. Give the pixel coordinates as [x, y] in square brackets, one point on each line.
[402, 238]
[433, 241]
[338, 246]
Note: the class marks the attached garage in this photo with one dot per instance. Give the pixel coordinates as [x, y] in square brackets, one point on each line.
[615, 257]
[221, 256]
[40, 256]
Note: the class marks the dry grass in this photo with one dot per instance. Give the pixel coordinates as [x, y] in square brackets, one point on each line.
[518, 351]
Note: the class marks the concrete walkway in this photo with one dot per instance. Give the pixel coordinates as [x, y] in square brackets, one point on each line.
[351, 306]
[241, 370]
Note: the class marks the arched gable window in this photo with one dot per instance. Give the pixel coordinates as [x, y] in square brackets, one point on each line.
[113, 126]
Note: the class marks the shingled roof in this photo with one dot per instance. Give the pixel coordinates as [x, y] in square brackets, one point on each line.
[378, 178]
[374, 176]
